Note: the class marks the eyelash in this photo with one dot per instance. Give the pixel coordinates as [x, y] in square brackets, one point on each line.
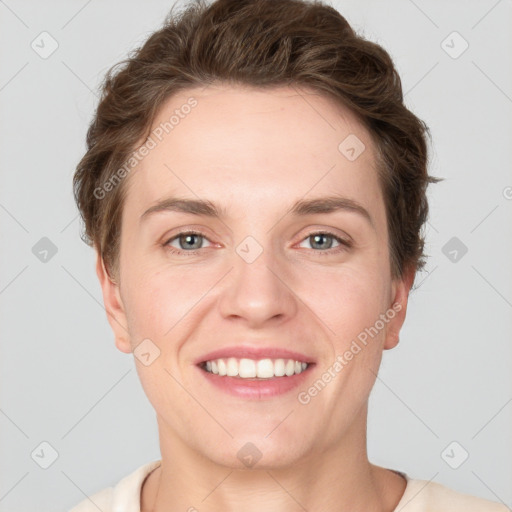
[344, 244]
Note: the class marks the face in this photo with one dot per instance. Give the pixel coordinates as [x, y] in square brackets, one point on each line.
[288, 276]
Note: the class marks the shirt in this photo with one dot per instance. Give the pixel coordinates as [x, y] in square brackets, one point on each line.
[419, 496]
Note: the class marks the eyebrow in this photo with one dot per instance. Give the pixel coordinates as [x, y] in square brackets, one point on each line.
[301, 208]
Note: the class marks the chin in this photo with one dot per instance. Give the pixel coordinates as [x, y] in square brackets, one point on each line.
[256, 452]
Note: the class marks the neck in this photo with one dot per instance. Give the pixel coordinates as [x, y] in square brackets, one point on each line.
[334, 478]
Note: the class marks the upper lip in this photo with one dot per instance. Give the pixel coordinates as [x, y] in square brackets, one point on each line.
[248, 352]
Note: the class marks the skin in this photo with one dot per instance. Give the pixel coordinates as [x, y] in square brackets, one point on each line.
[255, 153]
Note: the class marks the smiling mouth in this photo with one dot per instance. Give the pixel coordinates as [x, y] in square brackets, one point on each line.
[244, 368]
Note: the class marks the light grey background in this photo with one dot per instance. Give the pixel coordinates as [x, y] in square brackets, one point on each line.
[63, 380]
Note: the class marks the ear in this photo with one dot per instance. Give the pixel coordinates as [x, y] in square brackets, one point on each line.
[113, 306]
[400, 292]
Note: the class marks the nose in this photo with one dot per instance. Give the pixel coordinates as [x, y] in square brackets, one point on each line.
[258, 292]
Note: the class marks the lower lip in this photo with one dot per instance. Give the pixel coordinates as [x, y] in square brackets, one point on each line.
[256, 389]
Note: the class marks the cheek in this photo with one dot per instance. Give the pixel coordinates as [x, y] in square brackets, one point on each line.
[159, 301]
[345, 300]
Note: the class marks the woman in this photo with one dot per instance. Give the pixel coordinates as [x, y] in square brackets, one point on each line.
[255, 189]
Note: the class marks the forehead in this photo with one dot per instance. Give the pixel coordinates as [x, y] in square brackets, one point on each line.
[250, 148]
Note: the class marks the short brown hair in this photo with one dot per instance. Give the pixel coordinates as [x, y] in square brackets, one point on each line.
[260, 43]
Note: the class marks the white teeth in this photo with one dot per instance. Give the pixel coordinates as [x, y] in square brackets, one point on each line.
[279, 370]
[265, 369]
[232, 367]
[222, 367]
[249, 368]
